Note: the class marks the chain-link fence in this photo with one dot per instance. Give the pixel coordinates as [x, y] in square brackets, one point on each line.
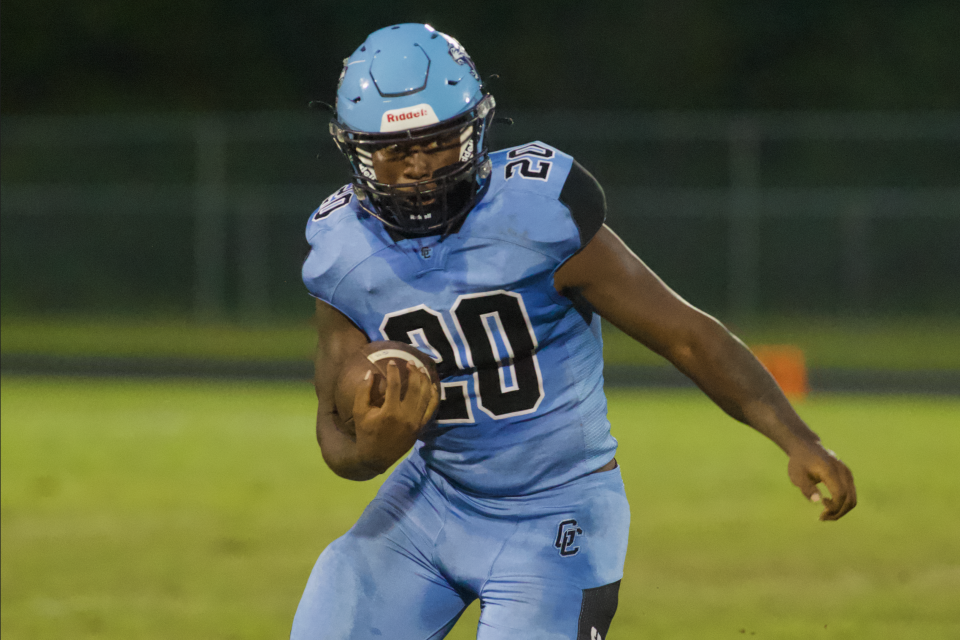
[741, 213]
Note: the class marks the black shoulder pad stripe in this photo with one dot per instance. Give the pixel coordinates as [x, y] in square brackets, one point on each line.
[584, 196]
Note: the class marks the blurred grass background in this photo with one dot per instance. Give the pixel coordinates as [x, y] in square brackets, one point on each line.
[145, 509]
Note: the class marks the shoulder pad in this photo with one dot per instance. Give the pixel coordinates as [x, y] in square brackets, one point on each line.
[533, 166]
[340, 199]
[339, 239]
[539, 167]
[586, 201]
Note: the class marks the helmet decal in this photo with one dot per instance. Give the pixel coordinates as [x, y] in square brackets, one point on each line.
[459, 55]
[466, 144]
[365, 164]
[413, 117]
[343, 72]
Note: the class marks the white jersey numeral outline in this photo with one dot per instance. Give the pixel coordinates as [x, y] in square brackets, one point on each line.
[493, 327]
[493, 346]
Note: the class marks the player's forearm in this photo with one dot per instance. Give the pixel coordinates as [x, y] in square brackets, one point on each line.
[338, 447]
[725, 369]
[336, 339]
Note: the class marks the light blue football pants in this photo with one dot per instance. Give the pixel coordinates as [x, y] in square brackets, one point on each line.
[546, 565]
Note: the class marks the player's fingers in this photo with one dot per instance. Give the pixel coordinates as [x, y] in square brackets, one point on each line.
[843, 491]
[852, 489]
[392, 396]
[833, 504]
[425, 394]
[361, 401]
[432, 405]
[411, 398]
[414, 383]
[806, 482]
[836, 506]
[427, 404]
[418, 390]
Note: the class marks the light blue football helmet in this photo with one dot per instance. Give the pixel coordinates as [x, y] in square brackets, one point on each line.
[406, 84]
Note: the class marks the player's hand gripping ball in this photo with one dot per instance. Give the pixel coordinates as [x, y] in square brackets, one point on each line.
[374, 358]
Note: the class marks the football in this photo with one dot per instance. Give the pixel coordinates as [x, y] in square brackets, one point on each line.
[374, 357]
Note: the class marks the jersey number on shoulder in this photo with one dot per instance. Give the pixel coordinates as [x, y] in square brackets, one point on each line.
[341, 198]
[499, 343]
[529, 161]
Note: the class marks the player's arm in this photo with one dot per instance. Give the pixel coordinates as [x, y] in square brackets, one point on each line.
[382, 434]
[337, 338]
[626, 292]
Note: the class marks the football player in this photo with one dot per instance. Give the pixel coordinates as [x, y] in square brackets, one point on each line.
[499, 266]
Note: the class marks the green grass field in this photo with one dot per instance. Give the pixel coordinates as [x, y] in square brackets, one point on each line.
[195, 509]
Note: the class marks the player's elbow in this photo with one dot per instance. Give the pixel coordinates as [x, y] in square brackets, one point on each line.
[339, 451]
[698, 343]
[357, 474]
[346, 468]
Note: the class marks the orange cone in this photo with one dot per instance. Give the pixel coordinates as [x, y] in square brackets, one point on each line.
[787, 366]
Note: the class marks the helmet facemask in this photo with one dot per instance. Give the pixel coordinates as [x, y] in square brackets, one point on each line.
[440, 201]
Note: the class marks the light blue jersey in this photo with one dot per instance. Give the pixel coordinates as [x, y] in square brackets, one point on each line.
[522, 406]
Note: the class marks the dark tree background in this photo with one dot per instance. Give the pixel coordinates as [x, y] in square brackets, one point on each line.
[65, 56]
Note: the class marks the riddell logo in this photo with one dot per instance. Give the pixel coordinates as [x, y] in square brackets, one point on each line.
[400, 117]
[408, 118]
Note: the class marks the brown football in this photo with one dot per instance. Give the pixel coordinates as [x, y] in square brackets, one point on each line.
[374, 357]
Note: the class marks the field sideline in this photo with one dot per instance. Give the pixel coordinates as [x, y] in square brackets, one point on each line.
[888, 344]
[195, 509]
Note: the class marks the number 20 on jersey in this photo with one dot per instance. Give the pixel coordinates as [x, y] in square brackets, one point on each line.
[500, 346]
